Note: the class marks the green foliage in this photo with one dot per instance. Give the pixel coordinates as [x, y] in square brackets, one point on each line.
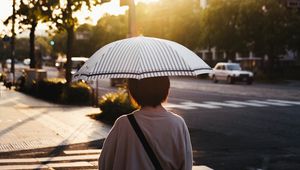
[48, 89]
[22, 50]
[108, 29]
[56, 90]
[113, 105]
[218, 25]
[77, 93]
[64, 20]
[2, 77]
[30, 13]
[263, 27]
[177, 20]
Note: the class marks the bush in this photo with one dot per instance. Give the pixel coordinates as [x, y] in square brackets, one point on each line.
[2, 77]
[77, 93]
[113, 105]
[56, 90]
[49, 89]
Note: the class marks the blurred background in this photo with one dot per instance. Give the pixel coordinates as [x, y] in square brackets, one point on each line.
[263, 36]
[252, 125]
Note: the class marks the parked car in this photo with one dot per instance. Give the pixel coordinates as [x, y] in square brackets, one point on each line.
[26, 61]
[230, 72]
[77, 62]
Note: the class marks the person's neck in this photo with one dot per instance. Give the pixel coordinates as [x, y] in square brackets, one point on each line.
[158, 108]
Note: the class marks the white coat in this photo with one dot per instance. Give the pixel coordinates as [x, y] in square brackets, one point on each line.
[166, 133]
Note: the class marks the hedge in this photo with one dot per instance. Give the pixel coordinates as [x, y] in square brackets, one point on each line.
[113, 105]
[56, 90]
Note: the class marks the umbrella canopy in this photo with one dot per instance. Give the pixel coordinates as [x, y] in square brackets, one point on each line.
[142, 57]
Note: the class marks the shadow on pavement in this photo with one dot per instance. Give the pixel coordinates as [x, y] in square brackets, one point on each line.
[52, 151]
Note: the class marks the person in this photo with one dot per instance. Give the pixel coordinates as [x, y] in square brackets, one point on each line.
[166, 132]
[9, 80]
[20, 84]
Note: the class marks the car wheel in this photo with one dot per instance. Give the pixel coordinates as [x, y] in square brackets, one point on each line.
[214, 79]
[230, 80]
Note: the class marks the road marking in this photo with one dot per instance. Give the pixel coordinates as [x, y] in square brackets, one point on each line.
[66, 158]
[190, 105]
[193, 104]
[285, 101]
[78, 161]
[179, 106]
[224, 104]
[201, 167]
[16, 167]
[88, 151]
[47, 166]
[20, 160]
[246, 103]
[269, 103]
[51, 159]
[70, 164]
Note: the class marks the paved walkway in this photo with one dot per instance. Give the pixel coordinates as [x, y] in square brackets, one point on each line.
[73, 159]
[28, 123]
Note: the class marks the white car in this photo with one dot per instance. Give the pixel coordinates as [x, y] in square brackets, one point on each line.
[230, 72]
[26, 61]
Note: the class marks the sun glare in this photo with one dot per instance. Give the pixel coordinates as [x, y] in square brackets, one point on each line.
[84, 16]
[113, 8]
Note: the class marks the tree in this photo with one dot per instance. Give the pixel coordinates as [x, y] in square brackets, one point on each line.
[267, 27]
[170, 19]
[110, 28]
[219, 25]
[64, 20]
[30, 13]
[90, 38]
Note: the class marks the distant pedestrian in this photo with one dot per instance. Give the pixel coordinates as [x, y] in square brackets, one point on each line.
[8, 82]
[20, 84]
[165, 133]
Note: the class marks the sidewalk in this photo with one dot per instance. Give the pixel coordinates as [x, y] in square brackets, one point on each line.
[72, 159]
[29, 123]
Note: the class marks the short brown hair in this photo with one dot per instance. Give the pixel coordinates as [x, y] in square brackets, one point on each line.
[149, 91]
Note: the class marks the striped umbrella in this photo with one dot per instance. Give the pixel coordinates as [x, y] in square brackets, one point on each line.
[142, 57]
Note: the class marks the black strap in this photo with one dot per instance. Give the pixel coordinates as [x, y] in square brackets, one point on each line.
[146, 145]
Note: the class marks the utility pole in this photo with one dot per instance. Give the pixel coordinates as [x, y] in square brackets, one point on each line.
[132, 32]
[12, 57]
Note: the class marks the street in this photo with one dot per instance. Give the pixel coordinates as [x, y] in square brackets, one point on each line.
[231, 126]
[240, 126]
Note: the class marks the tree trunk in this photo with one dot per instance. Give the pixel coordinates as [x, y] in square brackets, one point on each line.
[70, 40]
[31, 45]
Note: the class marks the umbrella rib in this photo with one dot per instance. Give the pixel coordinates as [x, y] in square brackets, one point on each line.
[159, 71]
[163, 52]
[144, 56]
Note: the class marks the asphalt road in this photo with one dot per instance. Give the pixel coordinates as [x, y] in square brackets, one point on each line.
[240, 126]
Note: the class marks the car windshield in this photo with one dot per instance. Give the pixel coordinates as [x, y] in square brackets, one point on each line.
[234, 67]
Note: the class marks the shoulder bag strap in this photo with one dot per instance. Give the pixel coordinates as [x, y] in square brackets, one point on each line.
[143, 140]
